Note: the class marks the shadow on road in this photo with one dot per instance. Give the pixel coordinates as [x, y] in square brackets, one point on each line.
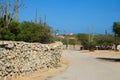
[109, 59]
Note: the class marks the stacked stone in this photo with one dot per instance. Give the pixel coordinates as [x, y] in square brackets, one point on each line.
[19, 58]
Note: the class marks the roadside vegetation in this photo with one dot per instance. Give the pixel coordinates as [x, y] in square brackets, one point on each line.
[96, 41]
[26, 31]
[39, 31]
[12, 29]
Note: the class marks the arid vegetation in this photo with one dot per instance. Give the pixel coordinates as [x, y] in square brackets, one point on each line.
[12, 29]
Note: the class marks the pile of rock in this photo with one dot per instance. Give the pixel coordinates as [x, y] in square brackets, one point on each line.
[19, 58]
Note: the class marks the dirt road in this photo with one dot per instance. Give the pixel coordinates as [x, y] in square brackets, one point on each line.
[87, 67]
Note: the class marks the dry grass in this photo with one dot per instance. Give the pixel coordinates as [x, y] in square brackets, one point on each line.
[104, 53]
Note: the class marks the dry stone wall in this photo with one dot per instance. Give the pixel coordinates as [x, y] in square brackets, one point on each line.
[19, 58]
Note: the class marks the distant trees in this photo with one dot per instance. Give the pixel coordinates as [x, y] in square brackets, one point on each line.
[82, 38]
[106, 40]
[100, 40]
[116, 28]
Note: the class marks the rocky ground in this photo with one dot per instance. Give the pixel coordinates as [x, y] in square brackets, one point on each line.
[21, 58]
[46, 73]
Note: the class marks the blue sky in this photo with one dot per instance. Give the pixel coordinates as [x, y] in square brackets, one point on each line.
[74, 16]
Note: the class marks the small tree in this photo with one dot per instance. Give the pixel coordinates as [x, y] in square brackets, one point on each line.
[116, 30]
[92, 45]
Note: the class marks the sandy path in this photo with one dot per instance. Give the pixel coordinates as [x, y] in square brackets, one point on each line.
[87, 67]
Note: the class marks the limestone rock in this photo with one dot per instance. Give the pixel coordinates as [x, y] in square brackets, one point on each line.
[19, 58]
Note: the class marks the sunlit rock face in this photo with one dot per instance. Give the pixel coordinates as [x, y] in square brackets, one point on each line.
[19, 58]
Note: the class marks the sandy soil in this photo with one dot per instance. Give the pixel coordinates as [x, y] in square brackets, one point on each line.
[44, 74]
[103, 53]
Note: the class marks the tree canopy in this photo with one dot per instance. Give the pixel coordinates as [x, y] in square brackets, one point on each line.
[26, 31]
[116, 28]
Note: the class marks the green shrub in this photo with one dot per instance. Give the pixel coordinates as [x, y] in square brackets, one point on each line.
[92, 45]
[27, 31]
[6, 34]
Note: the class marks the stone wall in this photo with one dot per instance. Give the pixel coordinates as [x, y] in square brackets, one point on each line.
[19, 58]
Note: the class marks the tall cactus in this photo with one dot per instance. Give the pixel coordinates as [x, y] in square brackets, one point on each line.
[7, 18]
[45, 21]
[40, 22]
[2, 8]
[36, 17]
[15, 11]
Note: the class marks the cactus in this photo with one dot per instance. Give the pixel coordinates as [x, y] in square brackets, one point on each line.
[15, 11]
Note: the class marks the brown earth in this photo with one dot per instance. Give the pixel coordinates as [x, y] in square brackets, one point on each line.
[103, 53]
